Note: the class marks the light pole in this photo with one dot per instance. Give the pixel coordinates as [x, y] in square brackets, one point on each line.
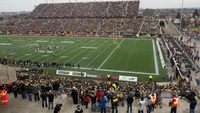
[181, 15]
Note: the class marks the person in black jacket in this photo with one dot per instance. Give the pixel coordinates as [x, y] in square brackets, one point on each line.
[36, 90]
[114, 103]
[129, 100]
[93, 99]
[15, 90]
[193, 104]
[57, 108]
[44, 98]
[23, 89]
[74, 95]
[29, 91]
[51, 99]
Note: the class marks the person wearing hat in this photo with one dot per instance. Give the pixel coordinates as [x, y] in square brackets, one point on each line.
[78, 109]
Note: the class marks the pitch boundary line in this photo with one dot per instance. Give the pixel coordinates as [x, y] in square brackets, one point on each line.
[119, 71]
[110, 55]
[155, 58]
[110, 38]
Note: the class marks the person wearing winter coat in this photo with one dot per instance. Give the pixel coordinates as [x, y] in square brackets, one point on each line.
[57, 108]
[193, 104]
[102, 104]
[93, 99]
[141, 105]
[44, 98]
[36, 90]
[86, 100]
[129, 100]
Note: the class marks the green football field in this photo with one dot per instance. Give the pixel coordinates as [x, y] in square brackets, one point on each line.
[131, 56]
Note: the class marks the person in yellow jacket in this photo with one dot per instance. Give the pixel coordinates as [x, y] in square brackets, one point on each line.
[114, 103]
[120, 96]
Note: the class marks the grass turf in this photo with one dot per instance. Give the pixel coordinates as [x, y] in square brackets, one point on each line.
[132, 55]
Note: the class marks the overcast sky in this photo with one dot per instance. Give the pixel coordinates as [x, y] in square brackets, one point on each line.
[28, 5]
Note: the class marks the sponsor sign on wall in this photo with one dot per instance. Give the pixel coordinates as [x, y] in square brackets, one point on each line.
[71, 73]
[128, 78]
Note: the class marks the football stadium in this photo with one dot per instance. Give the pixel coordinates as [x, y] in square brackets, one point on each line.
[120, 56]
[100, 56]
[97, 48]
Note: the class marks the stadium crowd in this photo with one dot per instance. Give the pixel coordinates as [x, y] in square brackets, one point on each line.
[87, 9]
[34, 64]
[46, 88]
[92, 18]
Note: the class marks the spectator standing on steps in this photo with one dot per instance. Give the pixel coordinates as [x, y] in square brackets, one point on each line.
[44, 98]
[102, 104]
[129, 100]
[51, 99]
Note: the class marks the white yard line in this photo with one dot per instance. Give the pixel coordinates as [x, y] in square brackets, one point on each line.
[110, 55]
[119, 71]
[91, 52]
[155, 58]
[99, 54]
[80, 52]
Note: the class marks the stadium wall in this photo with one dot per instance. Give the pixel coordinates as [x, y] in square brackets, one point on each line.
[7, 74]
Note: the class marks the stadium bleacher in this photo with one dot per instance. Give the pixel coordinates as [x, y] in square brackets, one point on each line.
[97, 18]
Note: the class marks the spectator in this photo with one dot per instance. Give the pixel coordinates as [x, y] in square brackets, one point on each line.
[57, 108]
[86, 100]
[29, 92]
[193, 104]
[22, 89]
[51, 99]
[74, 95]
[93, 101]
[129, 100]
[36, 90]
[149, 104]
[114, 103]
[102, 104]
[15, 90]
[141, 105]
[44, 98]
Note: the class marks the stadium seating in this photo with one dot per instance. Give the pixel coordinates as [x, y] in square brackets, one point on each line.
[90, 18]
